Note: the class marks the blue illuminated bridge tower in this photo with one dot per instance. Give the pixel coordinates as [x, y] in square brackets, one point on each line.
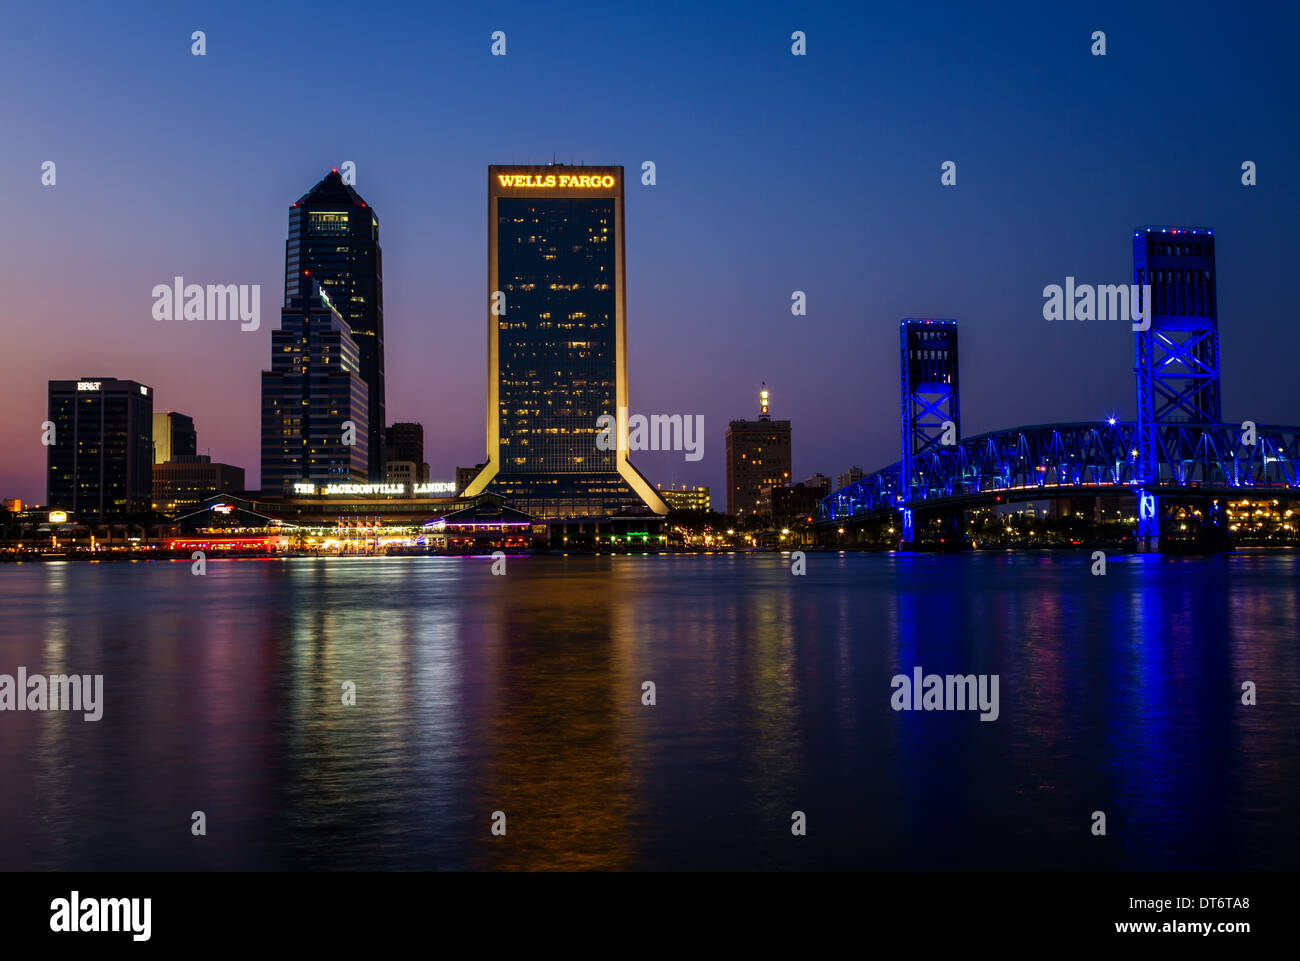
[1179, 464]
[1176, 357]
[930, 402]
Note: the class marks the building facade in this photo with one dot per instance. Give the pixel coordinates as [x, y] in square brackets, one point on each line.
[850, 476]
[797, 502]
[187, 480]
[557, 343]
[686, 498]
[758, 456]
[334, 241]
[314, 401]
[404, 443]
[99, 465]
[173, 436]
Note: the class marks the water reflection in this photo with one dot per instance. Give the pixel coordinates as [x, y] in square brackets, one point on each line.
[523, 694]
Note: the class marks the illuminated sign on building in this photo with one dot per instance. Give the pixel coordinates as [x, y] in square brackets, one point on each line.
[144, 390]
[435, 487]
[374, 490]
[589, 181]
[87, 385]
[58, 517]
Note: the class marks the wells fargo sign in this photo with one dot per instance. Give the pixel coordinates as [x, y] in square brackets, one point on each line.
[567, 181]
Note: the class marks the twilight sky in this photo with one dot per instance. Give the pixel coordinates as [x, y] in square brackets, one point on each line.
[775, 173]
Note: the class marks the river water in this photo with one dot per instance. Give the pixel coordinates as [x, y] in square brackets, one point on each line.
[523, 694]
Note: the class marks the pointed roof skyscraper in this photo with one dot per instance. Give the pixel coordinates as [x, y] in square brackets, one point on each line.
[334, 241]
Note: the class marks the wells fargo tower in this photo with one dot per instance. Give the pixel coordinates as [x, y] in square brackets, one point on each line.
[557, 343]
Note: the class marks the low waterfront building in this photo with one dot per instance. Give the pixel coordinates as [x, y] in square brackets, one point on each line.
[686, 498]
[182, 484]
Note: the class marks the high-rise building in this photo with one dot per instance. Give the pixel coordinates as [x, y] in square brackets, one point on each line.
[314, 402]
[334, 234]
[173, 436]
[404, 442]
[100, 462]
[758, 456]
[557, 343]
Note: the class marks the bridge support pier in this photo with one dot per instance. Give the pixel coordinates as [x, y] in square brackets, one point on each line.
[1148, 531]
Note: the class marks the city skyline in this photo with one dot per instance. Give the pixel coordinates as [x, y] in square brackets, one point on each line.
[733, 225]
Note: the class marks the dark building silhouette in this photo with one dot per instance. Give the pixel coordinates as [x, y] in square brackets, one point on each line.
[557, 345]
[334, 234]
[100, 464]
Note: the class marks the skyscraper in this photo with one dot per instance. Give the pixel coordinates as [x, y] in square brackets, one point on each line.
[557, 342]
[100, 463]
[313, 400]
[173, 436]
[758, 456]
[334, 234]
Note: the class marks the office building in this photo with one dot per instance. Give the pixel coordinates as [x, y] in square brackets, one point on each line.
[758, 456]
[187, 480]
[557, 343]
[797, 502]
[850, 476]
[404, 442]
[334, 234]
[818, 482]
[465, 476]
[100, 464]
[405, 472]
[314, 402]
[686, 498]
[173, 436]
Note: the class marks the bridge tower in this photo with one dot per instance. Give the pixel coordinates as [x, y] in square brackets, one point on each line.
[931, 398]
[1176, 355]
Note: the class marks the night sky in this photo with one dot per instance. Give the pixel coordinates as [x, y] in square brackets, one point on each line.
[775, 173]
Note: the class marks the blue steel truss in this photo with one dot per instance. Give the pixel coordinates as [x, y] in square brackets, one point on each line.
[1178, 444]
[1177, 354]
[1082, 458]
[930, 391]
